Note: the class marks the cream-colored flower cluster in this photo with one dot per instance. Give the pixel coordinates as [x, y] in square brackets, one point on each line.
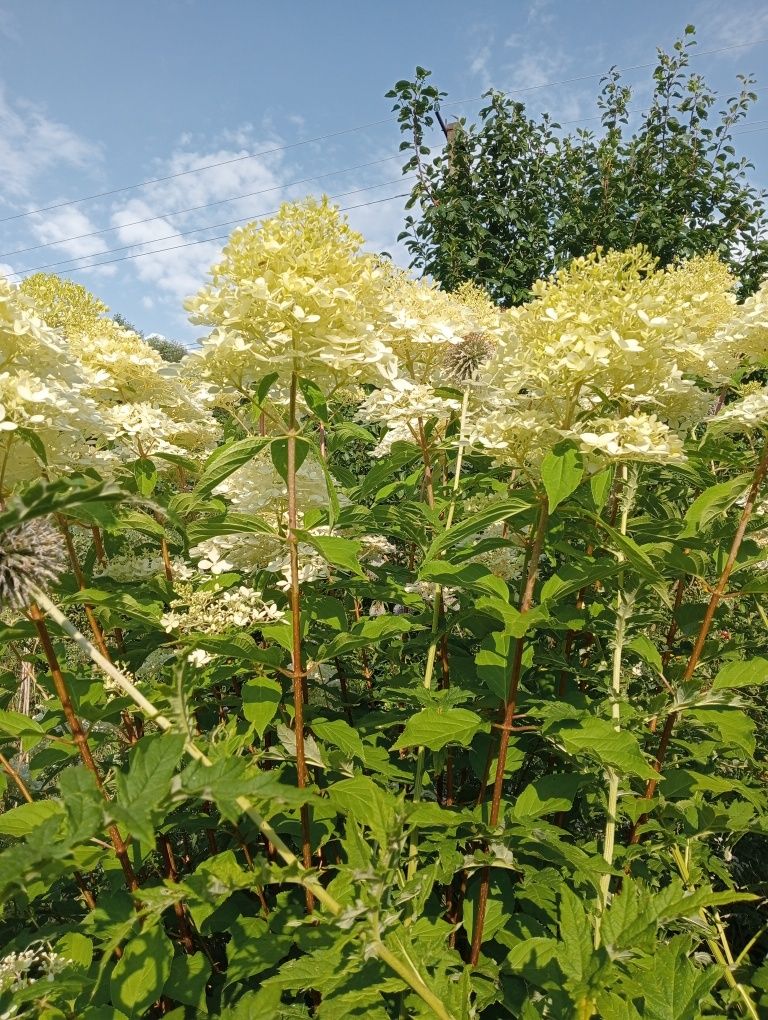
[147, 406]
[401, 406]
[43, 395]
[614, 353]
[294, 293]
[217, 610]
[743, 415]
[37, 964]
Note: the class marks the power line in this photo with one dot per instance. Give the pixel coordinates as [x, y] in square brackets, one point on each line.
[202, 240]
[600, 74]
[197, 208]
[346, 131]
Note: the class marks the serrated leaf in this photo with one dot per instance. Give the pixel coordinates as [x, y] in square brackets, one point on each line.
[598, 738]
[140, 974]
[341, 735]
[261, 698]
[341, 552]
[434, 728]
[742, 674]
[561, 473]
[226, 460]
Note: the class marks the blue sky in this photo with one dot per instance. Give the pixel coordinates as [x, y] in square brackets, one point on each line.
[97, 95]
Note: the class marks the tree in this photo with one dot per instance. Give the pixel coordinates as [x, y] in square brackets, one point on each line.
[511, 198]
[169, 350]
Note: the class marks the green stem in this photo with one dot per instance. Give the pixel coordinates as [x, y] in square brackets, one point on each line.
[623, 611]
[429, 669]
[722, 952]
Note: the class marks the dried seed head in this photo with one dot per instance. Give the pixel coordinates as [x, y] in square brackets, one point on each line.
[31, 555]
[464, 359]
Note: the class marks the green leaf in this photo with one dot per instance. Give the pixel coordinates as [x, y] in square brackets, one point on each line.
[145, 473]
[712, 502]
[546, 795]
[647, 650]
[475, 523]
[341, 735]
[22, 820]
[315, 399]
[226, 460]
[264, 386]
[278, 451]
[561, 473]
[741, 674]
[148, 781]
[365, 801]
[600, 486]
[67, 495]
[597, 738]
[77, 948]
[140, 974]
[14, 724]
[433, 728]
[232, 524]
[187, 980]
[367, 632]
[261, 697]
[469, 576]
[494, 662]
[341, 552]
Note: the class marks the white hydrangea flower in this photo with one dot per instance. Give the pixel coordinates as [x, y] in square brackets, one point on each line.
[637, 437]
[743, 415]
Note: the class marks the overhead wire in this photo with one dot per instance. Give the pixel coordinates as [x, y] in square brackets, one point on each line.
[189, 244]
[346, 131]
[198, 208]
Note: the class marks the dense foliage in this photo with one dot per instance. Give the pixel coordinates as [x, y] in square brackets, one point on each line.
[393, 655]
[512, 197]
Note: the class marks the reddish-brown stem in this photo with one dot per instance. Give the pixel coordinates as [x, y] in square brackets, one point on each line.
[172, 874]
[90, 902]
[165, 553]
[509, 716]
[98, 544]
[77, 570]
[78, 735]
[669, 644]
[344, 686]
[297, 670]
[717, 594]
[367, 672]
[11, 772]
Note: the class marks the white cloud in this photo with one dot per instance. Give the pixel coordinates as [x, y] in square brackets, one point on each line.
[180, 271]
[540, 13]
[31, 144]
[7, 270]
[719, 25]
[62, 229]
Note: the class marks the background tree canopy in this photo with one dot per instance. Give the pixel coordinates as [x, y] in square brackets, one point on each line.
[512, 198]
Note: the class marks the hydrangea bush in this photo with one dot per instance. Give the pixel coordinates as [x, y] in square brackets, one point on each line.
[393, 654]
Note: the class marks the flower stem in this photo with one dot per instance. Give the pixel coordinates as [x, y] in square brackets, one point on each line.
[78, 735]
[758, 478]
[299, 680]
[506, 728]
[437, 596]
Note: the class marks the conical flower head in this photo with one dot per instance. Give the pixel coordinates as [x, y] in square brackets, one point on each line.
[292, 293]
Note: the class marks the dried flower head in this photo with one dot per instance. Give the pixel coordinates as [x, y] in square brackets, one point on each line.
[31, 555]
[463, 360]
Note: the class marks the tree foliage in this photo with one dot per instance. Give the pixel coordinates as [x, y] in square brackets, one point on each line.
[513, 197]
